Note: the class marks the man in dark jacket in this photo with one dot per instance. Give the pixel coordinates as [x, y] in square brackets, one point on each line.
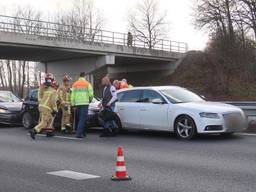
[109, 98]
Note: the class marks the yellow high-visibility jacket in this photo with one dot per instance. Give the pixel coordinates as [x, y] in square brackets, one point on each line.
[48, 99]
[82, 92]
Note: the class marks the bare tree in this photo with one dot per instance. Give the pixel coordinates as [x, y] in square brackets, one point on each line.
[14, 75]
[246, 13]
[83, 21]
[231, 50]
[27, 20]
[147, 23]
[216, 16]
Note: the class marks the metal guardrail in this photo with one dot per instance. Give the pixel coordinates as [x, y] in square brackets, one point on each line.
[249, 107]
[86, 35]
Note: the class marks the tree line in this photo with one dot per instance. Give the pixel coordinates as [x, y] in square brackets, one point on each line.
[231, 48]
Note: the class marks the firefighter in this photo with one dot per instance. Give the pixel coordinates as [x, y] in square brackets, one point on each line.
[64, 93]
[129, 39]
[47, 107]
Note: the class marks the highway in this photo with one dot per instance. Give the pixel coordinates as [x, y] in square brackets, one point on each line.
[157, 162]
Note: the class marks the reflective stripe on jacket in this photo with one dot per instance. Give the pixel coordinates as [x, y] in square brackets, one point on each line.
[64, 95]
[41, 92]
[82, 92]
[48, 99]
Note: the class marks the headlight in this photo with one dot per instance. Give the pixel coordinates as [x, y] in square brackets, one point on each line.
[3, 111]
[209, 115]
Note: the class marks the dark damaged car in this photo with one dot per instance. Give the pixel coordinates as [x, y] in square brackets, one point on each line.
[10, 107]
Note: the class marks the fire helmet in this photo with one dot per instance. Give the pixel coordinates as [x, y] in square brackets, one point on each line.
[67, 78]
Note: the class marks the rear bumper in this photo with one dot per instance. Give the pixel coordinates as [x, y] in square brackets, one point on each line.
[10, 118]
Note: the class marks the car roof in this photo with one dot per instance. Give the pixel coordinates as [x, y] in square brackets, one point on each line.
[156, 88]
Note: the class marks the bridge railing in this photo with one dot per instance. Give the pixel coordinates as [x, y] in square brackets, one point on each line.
[86, 35]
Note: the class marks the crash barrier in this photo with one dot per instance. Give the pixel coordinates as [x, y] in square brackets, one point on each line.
[249, 108]
[53, 30]
[121, 172]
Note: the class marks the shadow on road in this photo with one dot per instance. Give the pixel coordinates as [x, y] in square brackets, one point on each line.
[3, 126]
[171, 136]
[163, 135]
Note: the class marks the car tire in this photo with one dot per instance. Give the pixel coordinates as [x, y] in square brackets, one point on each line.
[185, 127]
[119, 124]
[27, 120]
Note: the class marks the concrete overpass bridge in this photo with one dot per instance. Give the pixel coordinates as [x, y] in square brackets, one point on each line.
[71, 49]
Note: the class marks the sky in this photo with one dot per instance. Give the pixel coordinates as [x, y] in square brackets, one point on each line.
[179, 15]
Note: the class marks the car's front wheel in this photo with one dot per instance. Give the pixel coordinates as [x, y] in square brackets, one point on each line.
[27, 121]
[185, 127]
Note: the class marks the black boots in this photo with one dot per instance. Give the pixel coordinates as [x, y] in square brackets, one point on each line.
[32, 134]
[49, 134]
[107, 133]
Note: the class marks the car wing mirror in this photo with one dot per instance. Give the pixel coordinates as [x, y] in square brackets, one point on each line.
[157, 101]
[202, 96]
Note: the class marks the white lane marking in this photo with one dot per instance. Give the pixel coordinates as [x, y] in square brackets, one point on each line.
[120, 168]
[120, 158]
[73, 175]
[247, 134]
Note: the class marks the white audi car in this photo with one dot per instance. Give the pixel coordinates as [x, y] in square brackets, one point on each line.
[176, 109]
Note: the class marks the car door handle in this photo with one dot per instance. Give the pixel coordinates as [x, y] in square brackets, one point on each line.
[121, 109]
[143, 110]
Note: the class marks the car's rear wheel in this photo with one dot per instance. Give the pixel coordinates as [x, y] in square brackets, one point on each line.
[27, 121]
[185, 127]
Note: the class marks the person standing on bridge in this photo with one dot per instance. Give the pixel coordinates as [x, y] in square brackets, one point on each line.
[81, 96]
[47, 96]
[64, 93]
[129, 39]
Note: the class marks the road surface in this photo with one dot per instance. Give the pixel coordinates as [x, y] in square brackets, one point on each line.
[155, 161]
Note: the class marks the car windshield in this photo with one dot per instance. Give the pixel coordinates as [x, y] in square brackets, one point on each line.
[180, 95]
[6, 96]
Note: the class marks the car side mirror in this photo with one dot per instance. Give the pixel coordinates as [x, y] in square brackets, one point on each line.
[157, 101]
[202, 96]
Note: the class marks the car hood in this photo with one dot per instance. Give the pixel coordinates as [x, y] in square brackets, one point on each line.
[94, 106]
[213, 107]
[11, 106]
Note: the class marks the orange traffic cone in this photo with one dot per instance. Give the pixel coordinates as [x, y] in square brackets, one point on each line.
[121, 173]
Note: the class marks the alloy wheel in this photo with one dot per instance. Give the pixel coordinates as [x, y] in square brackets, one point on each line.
[185, 127]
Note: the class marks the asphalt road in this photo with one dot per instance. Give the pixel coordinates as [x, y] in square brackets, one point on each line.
[155, 161]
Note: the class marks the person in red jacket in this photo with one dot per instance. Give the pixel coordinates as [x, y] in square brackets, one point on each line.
[124, 84]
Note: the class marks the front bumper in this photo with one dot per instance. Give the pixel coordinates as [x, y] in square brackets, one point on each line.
[222, 125]
[12, 118]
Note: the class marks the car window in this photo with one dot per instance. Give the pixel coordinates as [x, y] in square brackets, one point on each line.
[120, 96]
[180, 95]
[150, 95]
[7, 96]
[15, 98]
[131, 96]
[34, 94]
